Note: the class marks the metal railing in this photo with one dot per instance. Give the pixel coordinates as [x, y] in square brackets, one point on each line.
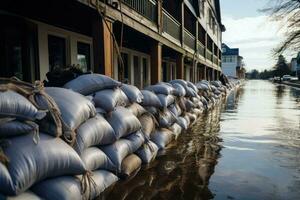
[147, 8]
[171, 25]
[201, 49]
[189, 39]
[209, 55]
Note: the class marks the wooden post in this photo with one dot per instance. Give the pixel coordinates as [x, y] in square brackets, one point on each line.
[156, 62]
[180, 66]
[159, 16]
[182, 23]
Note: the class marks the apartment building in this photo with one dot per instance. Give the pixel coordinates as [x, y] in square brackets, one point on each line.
[135, 41]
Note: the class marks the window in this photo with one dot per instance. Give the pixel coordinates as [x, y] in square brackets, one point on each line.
[57, 51]
[145, 72]
[202, 7]
[137, 72]
[84, 56]
[123, 73]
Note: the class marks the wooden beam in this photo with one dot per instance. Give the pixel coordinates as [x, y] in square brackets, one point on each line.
[180, 66]
[156, 62]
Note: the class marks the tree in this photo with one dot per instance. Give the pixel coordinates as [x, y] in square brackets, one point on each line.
[254, 74]
[288, 12]
[281, 68]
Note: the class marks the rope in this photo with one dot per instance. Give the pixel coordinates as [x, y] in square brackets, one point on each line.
[87, 183]
[3, 158]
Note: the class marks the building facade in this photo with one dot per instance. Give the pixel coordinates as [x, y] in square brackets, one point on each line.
[134, 41]
[232, 62]
[295, 65]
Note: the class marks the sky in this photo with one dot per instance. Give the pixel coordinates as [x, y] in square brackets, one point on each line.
[252, 31]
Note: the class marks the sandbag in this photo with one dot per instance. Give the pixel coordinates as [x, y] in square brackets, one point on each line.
[16, 106]
[123, 122]
[166, 119]
[189, 105]
[197, 111]
[147, 152]
[109, 99]
[136, 109]
[150, 99]
[175, 109]
[152, 110]
[183, 123]
[192, 117]
[15, 128]
[166, 100]
[190, 92]
[133, 93]
[75, 108]
[28, 195]
[94, 159]
[191, 85]
[176, 130]
[179, 90]
[162, 137]
[95, 131]
[91, 83]
[148, 124]
[130, 165]
[30, 162]
[161, 89]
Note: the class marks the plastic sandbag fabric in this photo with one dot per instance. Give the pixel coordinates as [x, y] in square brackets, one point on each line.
[130, 165]
[162, 137]
[148, 124]
[150, 99]
[179, 90]
[15, 128]
[24, 196]
[161, 89]
[147, 152]
[91, 83]
[136, 109]
[30, 162]
[166, 100]
[183, 123]
[166, 119]
[133, 93]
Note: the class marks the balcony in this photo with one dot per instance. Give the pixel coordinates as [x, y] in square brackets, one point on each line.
[171, 25]
[201, 49]
[215, 60]
[209, 55]
[189, 39]
[147, 8]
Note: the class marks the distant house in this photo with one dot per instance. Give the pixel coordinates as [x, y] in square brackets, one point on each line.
[232, 62]
[295, 65]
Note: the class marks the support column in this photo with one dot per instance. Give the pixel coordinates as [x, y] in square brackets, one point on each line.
[156, 62]
[204, 72]
[159, 16]
[180, 66]
[103, 47]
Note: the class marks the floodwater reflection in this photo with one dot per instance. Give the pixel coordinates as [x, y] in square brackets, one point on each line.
[247, 148]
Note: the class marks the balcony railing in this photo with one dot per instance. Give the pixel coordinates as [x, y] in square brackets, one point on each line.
[209, 55]
[171, 25]
[201, 49]
[147, 8]
[215, 61]
[189, 39]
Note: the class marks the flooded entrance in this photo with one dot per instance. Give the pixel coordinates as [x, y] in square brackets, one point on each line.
[246, 149]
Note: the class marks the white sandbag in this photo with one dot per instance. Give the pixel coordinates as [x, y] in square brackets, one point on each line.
[183, 123]
[15, 128]
[95, 131]
[28, 195]
[179, 90]
[109, 99]
[162, 137]
[91, 83]
[75, 108]
[176, 130]
[198, 111]
[166, 119]
[123, 122]
[166, 100]
[161, 89]
[147, 152]
[16, 106]
[30, 162]
[136, 109]
[130, 165]
[150, 99]
[94, 159]
[148, 124]
[133, 93]
[192, 117]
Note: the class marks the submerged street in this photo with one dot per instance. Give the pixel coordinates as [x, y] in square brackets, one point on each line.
[247, 149]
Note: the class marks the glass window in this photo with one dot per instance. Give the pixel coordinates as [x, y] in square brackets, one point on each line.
[84, 56]
[137, 72]
[57, 51]
[123, 72]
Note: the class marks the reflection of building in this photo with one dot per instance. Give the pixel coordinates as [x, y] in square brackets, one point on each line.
[295, 65]
[232, 62]
[161, 40]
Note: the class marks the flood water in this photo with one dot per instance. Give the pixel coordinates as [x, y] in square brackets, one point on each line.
[248, 148]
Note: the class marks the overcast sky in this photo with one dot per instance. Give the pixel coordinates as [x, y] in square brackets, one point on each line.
[250, 30]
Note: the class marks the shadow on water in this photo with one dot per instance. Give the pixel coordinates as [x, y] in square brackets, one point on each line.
[184, 169]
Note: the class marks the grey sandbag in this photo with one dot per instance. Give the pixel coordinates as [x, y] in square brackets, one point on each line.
[60, 188]
[190, 92]
[166, 119]
[176, 130]
[91, 83]
[150, 99]
[147, 152]
[136, 109]
[95, 131]
[179, 90]
[148, 124]
[30, 163]
[130, 165]
[15, 105]
[75, 108]
[162, 137]
[15, 128]
[123, 122]
[93, 159]
[166, 100]
[28, 195]
[161, 89]
[110, 98]
[152, 110]
[123, 147]
[133, 93]
[183, 123]
[175, 109]
[189, 105]
[193, 86]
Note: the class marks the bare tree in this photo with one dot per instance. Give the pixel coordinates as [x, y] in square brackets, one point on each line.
[287, 12]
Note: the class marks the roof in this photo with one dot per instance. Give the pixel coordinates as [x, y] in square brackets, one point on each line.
[230, 51]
